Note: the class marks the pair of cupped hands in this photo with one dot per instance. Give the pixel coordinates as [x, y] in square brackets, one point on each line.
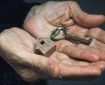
[70, 60]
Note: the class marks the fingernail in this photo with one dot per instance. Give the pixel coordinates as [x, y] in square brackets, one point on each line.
[94, 57]
[91, 56]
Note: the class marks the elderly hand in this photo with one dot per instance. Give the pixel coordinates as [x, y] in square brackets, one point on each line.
[43, 19]
[17, 48]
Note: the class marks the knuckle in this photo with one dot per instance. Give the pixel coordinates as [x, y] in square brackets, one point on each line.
[7, 30]
[102, 65]
[73, 3]
[5, 34]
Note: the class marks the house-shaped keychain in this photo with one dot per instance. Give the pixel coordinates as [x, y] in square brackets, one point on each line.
[45, 46]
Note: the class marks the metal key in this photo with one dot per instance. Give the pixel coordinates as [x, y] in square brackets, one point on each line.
[56, 32]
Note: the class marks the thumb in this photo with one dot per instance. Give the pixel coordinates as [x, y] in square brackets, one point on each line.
[84, 19]
[44, 65]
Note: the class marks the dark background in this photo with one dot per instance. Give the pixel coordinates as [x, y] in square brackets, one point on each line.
[89, 6]
[94, 7]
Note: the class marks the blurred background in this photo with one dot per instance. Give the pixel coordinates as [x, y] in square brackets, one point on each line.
[89, 6]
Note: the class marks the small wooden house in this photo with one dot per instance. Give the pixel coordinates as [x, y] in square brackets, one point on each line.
[45, 46]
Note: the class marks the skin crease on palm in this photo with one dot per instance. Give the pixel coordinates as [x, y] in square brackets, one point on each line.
[17, 46]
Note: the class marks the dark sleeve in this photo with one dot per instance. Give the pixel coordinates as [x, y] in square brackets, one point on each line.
[14, 11]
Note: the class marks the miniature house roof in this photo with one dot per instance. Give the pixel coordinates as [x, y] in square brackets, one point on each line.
[44, 44]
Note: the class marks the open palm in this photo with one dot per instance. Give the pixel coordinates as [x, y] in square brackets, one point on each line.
[43, 19]
[17, 48]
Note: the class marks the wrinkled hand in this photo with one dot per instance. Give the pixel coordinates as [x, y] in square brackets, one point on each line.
[43, 19]
[17, 48]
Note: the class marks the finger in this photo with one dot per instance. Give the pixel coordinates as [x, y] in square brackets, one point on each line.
[79, 71]
[83, 18]
[99, 45]
[100, 65]
[74, 63]
[66, 60]
[78, 31]
[97, 33]
[97, 48]
[76, 51]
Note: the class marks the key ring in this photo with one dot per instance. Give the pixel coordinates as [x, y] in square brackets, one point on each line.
[56, 32]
